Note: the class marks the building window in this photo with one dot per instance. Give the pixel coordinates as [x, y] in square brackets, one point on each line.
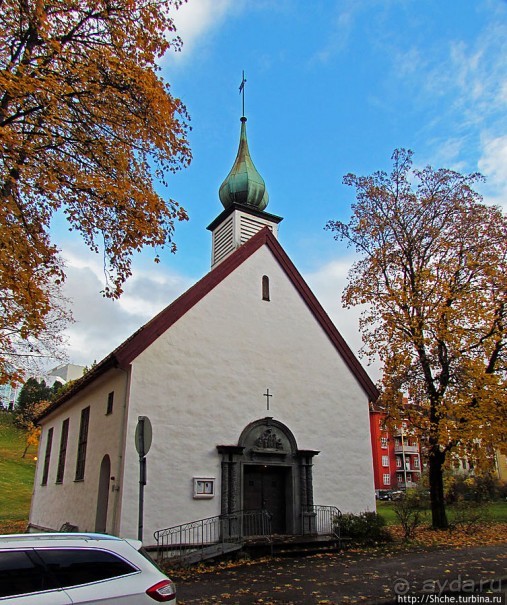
[81, 447]
[398, 462]
[386, 477]
[383, 442]
[49, 443]
[110, 399]
[63, 451]
[265, 287]
[416, 462]
[385, 460]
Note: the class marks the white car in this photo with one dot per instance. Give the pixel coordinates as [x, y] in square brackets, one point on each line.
[67, 569]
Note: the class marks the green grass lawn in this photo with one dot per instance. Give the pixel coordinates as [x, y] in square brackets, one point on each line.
[496, 511]
[16, 475]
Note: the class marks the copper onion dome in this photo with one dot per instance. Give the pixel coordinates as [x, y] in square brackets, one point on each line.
[244, 185]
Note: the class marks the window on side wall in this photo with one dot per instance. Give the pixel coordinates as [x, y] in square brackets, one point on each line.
[82, 443]
[110, 400]
[47, 457]
[63, 451]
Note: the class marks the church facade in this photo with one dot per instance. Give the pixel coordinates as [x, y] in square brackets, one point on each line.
[254, 399]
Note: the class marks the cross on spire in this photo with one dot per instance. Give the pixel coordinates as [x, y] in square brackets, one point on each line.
[267, 395]
[242, 91]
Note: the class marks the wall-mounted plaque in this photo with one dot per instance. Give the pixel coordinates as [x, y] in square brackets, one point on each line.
[204, 487]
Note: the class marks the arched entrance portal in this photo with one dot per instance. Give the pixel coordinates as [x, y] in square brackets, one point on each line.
[267, 471]
[103, 495]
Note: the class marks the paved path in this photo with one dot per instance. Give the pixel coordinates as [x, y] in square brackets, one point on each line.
[347, 578]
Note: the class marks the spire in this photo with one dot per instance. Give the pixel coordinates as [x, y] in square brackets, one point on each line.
[244, 185]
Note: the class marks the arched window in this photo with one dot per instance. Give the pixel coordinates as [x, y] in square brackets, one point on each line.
[265, 287]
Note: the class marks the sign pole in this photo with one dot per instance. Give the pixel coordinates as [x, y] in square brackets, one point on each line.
[143, 443]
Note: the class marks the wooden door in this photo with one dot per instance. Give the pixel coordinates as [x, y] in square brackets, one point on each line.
[264, 487]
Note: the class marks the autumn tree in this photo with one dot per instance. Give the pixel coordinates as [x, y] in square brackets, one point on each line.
[87, 129]
[34, 397]
[432, 275]
[24, 350]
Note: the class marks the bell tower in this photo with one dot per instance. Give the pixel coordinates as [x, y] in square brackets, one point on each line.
[244, 197]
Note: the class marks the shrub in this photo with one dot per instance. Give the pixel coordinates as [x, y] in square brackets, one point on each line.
[473, 488]
[468, 515]
[366, 528]
[410, 511]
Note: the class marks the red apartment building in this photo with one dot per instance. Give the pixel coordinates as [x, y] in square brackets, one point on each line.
[396, 454]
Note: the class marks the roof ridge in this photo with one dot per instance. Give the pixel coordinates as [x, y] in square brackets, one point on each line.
[135, 344]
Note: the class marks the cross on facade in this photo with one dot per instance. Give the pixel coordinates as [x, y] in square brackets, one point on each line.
[267, 395]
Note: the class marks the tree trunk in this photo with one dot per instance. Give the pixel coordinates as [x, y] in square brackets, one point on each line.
[436, 477]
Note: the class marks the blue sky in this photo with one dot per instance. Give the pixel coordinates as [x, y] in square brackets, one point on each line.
[333, 86]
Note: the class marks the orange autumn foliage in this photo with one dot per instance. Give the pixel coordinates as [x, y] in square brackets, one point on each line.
[433, 276]
[86, 127]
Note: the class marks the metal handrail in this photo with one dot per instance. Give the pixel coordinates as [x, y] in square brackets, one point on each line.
[187, 538]
[321, 520]
[197, 535]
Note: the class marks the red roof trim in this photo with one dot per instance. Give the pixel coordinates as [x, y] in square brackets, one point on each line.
[146, 335]
[127, 352]
[323, 318]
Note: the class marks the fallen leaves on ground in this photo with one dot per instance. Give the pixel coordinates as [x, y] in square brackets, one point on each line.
[13, 527]
[482, 535]
[425, 537]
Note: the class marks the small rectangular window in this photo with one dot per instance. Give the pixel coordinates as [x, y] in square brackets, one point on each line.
[110, 400]
[385, 460]
[387, 479]
[81, 447]
[49, 443]
[63, 451]
[383, 442]
[265, 288]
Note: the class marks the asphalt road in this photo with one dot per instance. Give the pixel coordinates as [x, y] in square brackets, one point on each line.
[421, 576]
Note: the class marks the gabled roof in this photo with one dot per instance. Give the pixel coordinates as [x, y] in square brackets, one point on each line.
[123, 355]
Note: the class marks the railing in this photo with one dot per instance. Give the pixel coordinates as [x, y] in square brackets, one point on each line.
[321, 520]
[205, 533]
[221, 531]
[407, 449]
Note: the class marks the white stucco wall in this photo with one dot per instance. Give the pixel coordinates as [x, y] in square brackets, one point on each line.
[203, 381]
[73, 501]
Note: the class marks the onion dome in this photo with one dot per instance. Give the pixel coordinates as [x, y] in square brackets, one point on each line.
[244, 185]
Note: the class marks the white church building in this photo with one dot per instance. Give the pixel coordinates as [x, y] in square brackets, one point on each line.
[254, 399]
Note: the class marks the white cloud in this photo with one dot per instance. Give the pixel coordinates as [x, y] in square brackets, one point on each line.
[342, 17]
[198, 20]
[328, 283]
[102, 324]
[493, 164]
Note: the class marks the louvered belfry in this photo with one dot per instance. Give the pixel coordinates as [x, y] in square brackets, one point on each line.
[244, 197]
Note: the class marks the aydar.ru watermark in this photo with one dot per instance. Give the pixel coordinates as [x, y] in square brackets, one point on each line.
[459, 584]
